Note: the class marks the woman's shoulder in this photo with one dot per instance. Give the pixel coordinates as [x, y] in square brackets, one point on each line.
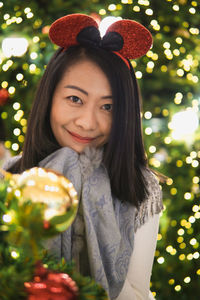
[10, 162]
[153, 203]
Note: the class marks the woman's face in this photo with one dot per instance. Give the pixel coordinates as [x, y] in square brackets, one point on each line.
[81, 112]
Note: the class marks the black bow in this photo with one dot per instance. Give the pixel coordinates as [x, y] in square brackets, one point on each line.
[90, 36]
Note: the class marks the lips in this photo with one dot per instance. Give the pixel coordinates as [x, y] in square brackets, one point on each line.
[80, 139]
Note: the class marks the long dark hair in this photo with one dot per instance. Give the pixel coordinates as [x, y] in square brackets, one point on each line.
[124, 154]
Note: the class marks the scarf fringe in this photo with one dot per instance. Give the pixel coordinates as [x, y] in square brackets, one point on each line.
[153, 204]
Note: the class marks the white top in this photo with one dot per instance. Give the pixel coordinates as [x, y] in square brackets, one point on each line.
[136, 285]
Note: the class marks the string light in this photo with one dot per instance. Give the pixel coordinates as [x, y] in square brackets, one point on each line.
[15, 254]
[7, 218]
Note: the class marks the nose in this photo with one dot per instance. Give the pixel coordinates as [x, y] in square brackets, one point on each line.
[86, 119]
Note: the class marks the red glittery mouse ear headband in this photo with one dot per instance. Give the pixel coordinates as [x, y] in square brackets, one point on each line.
[126, 38]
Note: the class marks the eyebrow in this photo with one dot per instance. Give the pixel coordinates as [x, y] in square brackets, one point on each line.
[84, 92]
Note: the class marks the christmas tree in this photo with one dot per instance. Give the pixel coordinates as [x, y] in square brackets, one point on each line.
[37, 205]
[169, 80]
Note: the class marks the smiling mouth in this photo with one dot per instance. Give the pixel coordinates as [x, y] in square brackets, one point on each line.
[81, 139]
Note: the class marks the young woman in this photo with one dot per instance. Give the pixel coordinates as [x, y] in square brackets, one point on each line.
[85, 123]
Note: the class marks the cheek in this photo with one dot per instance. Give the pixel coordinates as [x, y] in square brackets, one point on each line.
[56, 114]
[107, 126]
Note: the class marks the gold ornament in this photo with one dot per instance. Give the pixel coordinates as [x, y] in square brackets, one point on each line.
[40, 185]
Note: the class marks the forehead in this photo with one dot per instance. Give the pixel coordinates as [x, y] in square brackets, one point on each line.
[87, 74]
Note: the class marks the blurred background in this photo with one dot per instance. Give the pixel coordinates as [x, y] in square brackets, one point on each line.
[169, 78]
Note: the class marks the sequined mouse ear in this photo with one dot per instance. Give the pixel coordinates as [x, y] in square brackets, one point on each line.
[64, 31]
[137, 38]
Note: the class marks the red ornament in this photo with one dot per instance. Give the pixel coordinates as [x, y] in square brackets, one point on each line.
[48, 285]
[46, 224]
[4, 95]
[45, 29]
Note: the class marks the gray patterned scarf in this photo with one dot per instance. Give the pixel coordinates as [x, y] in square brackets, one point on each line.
[109, 224]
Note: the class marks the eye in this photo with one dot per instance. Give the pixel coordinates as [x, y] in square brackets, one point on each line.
[74, 99]
[107, 107]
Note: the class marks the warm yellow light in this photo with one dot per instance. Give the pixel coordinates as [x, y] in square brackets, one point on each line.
[112, 7]
[32, 68]
[177, 288]
[136, 8]
[147, 115]
[23, 122]
[181, 231]
[16, 131]
[169, 248]
[19, 76]
[187, 196]
[196, 255]
[182, 245]
[175, 7]
[194, 31]
[163, 68]
[182, 257]
[193, 241]
[191, 219]
[179, 163]
[161, 260]
[169, 181]
[36, 39]
[180, 72]
[173, 191]
[187, 279]
[195, 208]
[180, 239]
[4, 115]
[8, 144]
[150, 64]
[138, 75]
[14, 254]
[195, 179]
[176, 52]
[29, 15]
[194, 3]
[149, 12]
[4, 84]
[21, 138]
[143, 2]
[189, 256]
[171, 281]
[6, 17]
[19, 20]
[148, 131]
[7, 218]
[173, 223]
[168, 140]
[166, 45]
[11, 90]
[193, 154]
[33, 55]
[192, 10]
[16, 105]
[179, 40]
[165, 112]
[27, 10]
[15, 147]
[195, 163]
[152, 149]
